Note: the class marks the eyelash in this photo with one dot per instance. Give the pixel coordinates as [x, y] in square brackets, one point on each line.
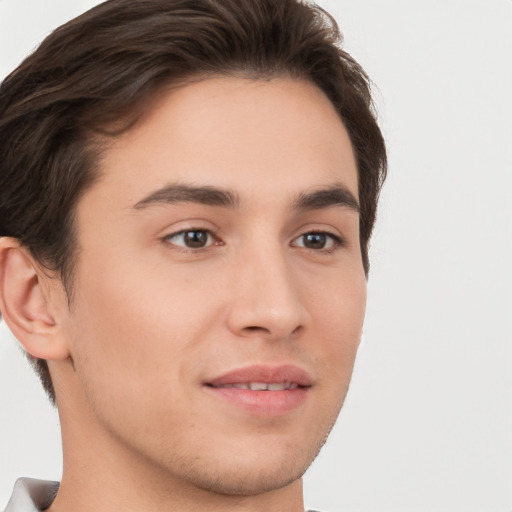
[210, 234]
[336, 240]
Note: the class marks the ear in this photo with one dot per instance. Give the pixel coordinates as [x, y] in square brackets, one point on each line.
[25, 305]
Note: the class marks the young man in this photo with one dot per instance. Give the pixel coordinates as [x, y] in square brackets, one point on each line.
[187, 191]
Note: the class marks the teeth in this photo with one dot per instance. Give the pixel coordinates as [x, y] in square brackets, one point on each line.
[277, 386]
[258, 386]
[239, 386]
[262, 386]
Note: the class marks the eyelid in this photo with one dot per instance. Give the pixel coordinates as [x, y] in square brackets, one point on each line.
[214, 239]
[338, 240]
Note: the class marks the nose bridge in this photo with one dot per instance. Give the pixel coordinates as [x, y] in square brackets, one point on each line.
[267, 299]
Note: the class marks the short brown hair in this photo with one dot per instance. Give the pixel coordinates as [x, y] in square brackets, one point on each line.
[101, 69]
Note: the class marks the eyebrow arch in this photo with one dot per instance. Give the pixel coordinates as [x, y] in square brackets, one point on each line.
[207, 195]
[337, 195]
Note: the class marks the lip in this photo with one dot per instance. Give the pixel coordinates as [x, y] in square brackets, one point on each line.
[264, 373]
[262, 402]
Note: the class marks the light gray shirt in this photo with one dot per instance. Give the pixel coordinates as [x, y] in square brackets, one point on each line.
[30, 495]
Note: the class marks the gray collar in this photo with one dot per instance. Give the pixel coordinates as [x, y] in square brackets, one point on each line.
[30, 495]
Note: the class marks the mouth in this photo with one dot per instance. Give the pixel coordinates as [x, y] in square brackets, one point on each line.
[259, 386]
[262, 390]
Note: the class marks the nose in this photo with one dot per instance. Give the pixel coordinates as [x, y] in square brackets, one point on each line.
[267, 298]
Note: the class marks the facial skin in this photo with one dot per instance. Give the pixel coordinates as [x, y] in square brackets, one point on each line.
[153, 322]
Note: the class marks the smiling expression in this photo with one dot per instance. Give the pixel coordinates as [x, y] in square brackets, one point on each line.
[220, 291]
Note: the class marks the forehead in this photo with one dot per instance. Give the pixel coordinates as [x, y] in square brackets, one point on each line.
[233, 133]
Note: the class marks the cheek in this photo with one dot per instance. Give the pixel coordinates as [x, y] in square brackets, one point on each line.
[341, 302]
[338, 315]
[132, 345]
[130, 323]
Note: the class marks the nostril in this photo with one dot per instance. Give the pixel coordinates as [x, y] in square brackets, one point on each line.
[297, 330]
[253, 328]
[256, 329]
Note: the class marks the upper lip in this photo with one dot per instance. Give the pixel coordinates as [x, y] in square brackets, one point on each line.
[264, 373]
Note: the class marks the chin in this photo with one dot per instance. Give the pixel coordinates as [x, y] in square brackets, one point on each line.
[249, 473]
[245, 481]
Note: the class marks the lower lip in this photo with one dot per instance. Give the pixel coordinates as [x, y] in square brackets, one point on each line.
[264, 403]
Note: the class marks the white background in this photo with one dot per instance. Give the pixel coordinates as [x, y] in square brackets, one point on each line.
[427, 425]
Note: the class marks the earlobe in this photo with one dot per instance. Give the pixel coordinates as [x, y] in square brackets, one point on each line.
[24, 303]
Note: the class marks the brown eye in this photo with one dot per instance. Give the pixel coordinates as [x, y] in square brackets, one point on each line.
[318, 241]
[315, 240]
[191, 238]
[195, 239]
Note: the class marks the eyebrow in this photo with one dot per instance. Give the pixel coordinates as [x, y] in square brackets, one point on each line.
[337, 195]
[207, 195]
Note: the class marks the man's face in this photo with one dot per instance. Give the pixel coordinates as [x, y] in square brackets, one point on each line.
[219, 252]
